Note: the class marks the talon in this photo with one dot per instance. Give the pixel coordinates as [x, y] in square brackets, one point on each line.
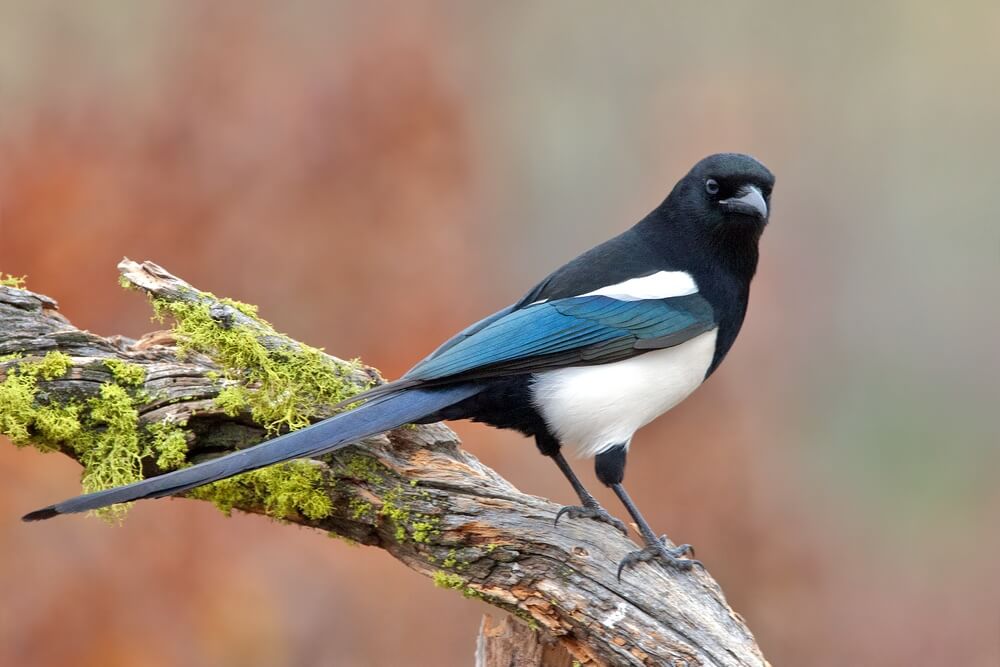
[562, 510]
[680, 551]
[659, 551]
[596, 513]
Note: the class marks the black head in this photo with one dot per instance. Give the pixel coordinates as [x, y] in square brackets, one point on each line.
[720, 207]
[727, 189]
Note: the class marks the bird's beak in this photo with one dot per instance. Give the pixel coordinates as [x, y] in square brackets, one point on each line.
[748, 201]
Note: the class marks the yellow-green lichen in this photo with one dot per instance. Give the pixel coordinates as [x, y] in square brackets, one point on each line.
[364, 468]
[7, 280]
[360, 509]
[129, 375]
[397, 499]
[283, 491]
[422, 531]
[450, 580]
[168, 442]
[19, 414]
[53, 365]
[103, 431]
[282, 384]
[112, 455]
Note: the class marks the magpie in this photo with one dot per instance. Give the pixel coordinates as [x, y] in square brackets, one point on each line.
[594, 352]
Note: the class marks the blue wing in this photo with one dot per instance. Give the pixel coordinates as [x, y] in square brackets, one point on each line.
[565, 332]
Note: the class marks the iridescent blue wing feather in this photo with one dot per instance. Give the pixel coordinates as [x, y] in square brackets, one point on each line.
[566, 332]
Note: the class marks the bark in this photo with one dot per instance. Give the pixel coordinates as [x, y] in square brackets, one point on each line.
[426, 501]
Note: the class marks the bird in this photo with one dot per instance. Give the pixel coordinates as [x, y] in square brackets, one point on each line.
[595, 351]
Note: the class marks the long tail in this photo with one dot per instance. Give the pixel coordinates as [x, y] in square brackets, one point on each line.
[378, 415]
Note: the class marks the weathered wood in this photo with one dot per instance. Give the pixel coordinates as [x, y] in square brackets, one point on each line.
[415, 493]
[508, 642]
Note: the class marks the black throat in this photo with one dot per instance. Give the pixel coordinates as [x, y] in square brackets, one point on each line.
[721, 257]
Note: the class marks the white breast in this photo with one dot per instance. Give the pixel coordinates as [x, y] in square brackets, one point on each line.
[598, 407]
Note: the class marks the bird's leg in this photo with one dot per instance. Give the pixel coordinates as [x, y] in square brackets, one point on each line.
[610, 466]
[589, 508]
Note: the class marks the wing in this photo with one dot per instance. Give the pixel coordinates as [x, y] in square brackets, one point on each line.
[583, 330]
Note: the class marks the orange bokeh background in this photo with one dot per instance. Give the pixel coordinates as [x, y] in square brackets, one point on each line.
[375, 176]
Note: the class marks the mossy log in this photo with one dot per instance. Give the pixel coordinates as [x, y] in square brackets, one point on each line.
[223, 379]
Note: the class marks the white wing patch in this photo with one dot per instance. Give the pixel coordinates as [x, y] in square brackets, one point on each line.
[660, 285]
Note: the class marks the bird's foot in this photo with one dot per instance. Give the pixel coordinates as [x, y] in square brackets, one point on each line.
[672, 558]
[595, 512]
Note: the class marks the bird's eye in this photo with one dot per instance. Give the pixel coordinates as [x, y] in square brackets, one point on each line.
[712, 186]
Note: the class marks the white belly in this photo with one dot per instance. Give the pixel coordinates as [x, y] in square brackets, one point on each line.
[598, 407]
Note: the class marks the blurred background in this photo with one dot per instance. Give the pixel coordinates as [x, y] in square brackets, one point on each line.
[376, 175]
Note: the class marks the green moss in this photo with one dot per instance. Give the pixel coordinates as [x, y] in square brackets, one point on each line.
[232, 400]
[364, 468]
[444, 579]
[53, 365]
[103, 431]
[168, 442]
[397, 498]
[424, 530]
[284, 385]
[112, 456]
[283, 491]
[451, 560]
[19, 415]
[58, 423]
[7, 280]
[126, 374]
[17, 406]
[360, 509]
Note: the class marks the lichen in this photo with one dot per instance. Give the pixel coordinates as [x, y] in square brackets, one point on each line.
[19, 414]
[364, 468]
[103, 431]
[112, 455]
[168, 442]
[7, 280]
[286, 490]
[450, 580]
[53, 365]
[360, 509]
[283, 384]
[126, 374]
[422, 531]
[17, 406]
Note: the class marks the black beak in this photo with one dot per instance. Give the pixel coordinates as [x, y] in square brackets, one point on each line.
[748, 201]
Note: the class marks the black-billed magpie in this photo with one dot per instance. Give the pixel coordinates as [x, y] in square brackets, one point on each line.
[597, 350]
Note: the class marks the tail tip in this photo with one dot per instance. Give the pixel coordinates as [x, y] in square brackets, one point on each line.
[41, 515]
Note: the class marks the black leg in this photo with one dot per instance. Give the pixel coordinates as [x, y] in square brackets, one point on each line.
[610, 467]
[589, 508]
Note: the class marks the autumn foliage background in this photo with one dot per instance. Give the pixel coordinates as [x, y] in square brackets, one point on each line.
[375, 176]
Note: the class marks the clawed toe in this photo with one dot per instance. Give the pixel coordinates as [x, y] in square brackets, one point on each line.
[596, 513]
[669, 557]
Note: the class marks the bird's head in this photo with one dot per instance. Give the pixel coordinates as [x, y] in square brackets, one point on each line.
[726, 192]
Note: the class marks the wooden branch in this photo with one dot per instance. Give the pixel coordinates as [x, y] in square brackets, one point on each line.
[415, 493]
